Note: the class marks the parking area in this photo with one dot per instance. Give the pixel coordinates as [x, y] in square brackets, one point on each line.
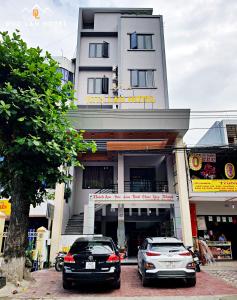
[49, 284]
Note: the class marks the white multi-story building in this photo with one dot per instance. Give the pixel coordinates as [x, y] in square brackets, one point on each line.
[135, 184]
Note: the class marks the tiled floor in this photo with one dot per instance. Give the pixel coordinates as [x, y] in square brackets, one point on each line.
[49, 284]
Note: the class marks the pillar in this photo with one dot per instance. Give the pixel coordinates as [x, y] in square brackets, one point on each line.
[89, 217]
[57, 221]
[183, 193]
[41, 246]
[121, 224]
[2, 225]
[170, 173]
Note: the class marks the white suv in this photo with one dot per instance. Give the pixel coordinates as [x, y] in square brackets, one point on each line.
[165, 257]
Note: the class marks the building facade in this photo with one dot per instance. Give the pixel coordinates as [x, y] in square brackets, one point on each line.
[213, 188]
[135, 185]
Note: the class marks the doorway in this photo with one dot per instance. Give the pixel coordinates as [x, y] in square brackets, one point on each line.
[142, 180]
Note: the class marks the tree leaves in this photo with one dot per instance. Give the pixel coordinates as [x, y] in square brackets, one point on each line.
[36, 137]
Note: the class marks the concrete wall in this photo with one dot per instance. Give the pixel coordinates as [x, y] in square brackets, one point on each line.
[106, 22]
[215, 208]
[135, 59]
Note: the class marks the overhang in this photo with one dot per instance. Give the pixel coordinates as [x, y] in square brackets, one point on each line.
[131, 120]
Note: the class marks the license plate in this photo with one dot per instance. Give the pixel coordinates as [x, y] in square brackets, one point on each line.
[90, 265]
[170, 265]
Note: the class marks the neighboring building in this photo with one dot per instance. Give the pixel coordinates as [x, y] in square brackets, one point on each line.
[213, 186]
[135, 184]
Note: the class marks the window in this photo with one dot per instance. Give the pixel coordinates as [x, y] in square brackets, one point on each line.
[98, 85]
[66, 75]
[98, 177]
[97, 50]
[142, 78]
[141, 41]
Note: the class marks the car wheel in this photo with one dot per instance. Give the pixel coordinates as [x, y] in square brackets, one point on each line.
[144, 281]
[116, 284]
[191, 282]
[67, 285]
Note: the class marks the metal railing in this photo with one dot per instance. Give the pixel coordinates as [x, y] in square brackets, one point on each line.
[111, 189]
[146, 186]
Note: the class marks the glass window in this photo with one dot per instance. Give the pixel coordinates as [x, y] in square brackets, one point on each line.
[147, 41]
[94, 247]
[97, 177]
[99, 50]
[98, 86]
[149, 78]
[142, 78]
[92, 50]
[134, 78]
[140, 42]
[90, 86]
[167, 247]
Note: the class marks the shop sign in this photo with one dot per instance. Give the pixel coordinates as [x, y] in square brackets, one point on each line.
[5, 206]
[195, 162]
[119, 99]
[193, 217]
[214, 185]
[129, 197]
[229, 171]
[208, 157]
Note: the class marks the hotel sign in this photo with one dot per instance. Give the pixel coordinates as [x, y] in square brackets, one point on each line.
[133, 197]
[214, 185]
[119, 99]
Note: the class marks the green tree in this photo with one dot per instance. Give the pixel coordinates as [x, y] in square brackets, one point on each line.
[35, 137]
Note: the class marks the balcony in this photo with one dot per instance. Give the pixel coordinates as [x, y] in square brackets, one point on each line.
[138, 186]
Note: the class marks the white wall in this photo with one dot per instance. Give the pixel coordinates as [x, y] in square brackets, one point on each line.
[85, 60]
[215, 208]
[106, 22]
[142, 59]
[83, 77]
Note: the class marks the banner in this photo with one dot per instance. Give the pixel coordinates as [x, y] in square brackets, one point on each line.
[214, 185]
[5, 206]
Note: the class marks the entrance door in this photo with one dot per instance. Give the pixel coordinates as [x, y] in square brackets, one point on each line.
[142, 180]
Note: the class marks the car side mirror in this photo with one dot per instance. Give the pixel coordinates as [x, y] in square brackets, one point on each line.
[189, 248]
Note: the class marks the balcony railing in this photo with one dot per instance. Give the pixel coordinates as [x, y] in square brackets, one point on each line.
[146, 186]
[138, 186]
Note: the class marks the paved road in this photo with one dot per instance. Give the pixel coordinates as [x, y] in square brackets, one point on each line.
[226, 270]
[49, 285]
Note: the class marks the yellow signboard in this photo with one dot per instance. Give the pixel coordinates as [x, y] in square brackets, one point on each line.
[5, 206]
[119, 99]
[214, 185]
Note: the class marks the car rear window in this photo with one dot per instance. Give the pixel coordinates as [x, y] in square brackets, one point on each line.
[95, 247]
[167, 247]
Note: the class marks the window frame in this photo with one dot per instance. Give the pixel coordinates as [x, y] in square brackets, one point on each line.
[102, 49]
[138, 80]
[94, 86]
[84, 180]
[143, 35]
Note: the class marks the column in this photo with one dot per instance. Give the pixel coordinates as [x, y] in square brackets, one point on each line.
[2, 225]
[170, 174]
[57, 221]
[183, 193]
[89, 217]
[121, 225]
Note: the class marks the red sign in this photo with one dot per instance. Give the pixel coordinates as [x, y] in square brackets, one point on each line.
[193, 216]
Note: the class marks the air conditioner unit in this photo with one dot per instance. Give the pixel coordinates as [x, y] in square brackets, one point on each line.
[114, 68]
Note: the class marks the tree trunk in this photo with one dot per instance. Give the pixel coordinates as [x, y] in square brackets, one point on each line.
[14, 255]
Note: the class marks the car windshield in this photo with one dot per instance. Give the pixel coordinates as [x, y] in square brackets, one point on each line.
[94, 247]
[167, 247]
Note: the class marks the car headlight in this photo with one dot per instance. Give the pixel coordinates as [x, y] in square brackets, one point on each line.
[149, 266]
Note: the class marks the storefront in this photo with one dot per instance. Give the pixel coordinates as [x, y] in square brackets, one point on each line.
[213, 201]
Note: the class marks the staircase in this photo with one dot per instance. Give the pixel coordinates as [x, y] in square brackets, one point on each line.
[75, 225]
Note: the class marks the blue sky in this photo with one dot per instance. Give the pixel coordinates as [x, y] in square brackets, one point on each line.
[200, 39]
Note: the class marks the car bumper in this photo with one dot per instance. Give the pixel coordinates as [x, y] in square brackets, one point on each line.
[95, 276]
[153, 274]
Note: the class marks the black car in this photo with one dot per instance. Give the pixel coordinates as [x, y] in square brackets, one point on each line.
[92, 258]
